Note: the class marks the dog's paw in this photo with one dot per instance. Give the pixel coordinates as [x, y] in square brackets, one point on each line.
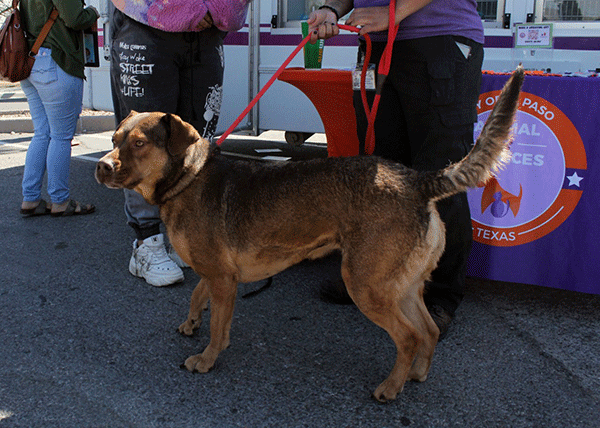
[418, 373]
[387, 391]
[197, 363]
[417, 377]
[189, 326]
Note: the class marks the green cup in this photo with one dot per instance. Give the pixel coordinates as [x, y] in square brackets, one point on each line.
[313, 54]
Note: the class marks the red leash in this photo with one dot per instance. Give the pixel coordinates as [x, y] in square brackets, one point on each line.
[263, 90]
[382, 73]
[384, 67]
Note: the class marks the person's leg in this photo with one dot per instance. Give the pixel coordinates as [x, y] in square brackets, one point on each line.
[141, 216]
[144, 77]
[42, 74]
[55, 99]
[62, 100]
[425, 121]
[390, 142]
[439, 103]
[201, 81]
[201, 64]
[35, 160]
[144, 69]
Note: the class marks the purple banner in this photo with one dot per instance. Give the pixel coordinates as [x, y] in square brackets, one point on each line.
[536, 222]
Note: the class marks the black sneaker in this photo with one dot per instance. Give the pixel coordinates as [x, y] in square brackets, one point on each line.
[442, 319]
[334, 291]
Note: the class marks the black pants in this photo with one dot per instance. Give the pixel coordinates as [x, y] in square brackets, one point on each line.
[154, 70]
[425, 121]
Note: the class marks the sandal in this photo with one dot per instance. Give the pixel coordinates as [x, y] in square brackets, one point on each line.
[72, 209]
[43, 208]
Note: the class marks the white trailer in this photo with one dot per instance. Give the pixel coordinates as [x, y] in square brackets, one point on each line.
[272, 31]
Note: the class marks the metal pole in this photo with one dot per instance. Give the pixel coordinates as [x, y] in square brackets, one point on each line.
[254, 63]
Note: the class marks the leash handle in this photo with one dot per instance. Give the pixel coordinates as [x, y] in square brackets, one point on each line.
[382, 72]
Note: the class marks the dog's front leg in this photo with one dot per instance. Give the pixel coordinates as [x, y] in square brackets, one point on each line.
[198, 303]
[222, 293]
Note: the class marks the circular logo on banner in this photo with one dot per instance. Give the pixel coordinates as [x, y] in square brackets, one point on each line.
[540, 187]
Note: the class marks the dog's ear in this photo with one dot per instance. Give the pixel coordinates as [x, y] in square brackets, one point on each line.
[180, 134]
[130, 115]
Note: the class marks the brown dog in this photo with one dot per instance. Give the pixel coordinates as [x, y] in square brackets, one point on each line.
[241, 221]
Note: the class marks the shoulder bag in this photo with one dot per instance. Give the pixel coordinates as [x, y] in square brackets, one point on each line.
[16, 60]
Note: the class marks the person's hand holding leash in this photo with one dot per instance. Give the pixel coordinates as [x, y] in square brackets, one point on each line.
[371, 19]
[322, 24]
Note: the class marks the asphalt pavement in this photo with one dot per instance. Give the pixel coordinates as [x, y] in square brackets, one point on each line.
[85, 344]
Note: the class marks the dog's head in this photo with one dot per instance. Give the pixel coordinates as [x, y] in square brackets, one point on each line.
[152, 151]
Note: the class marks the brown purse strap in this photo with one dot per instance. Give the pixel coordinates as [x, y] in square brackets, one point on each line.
[45, 29]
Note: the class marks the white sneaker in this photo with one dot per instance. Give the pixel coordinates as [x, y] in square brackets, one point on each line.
[151, 262]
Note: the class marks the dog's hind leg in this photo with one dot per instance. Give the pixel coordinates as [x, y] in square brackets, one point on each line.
[414, 308]
[198, 303]
[413, 305]
[380, 304]
[407, 340]
[222, 292]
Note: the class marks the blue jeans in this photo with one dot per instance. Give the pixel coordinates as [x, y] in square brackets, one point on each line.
[55, 100]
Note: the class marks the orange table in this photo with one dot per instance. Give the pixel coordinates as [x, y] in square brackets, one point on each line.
[330, 91]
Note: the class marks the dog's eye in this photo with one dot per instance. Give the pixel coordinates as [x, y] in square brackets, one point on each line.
[139, 143]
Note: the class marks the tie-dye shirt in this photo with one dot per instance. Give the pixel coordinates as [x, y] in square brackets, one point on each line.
[185, 15]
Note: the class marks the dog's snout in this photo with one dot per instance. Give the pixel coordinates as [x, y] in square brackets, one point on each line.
[104, 167]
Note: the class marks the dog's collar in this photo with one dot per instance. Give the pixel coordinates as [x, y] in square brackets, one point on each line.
[195, 157]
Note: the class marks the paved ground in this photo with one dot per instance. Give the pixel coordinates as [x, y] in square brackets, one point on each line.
[85, 344]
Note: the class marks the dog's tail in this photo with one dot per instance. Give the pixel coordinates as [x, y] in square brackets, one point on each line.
[491, 150]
